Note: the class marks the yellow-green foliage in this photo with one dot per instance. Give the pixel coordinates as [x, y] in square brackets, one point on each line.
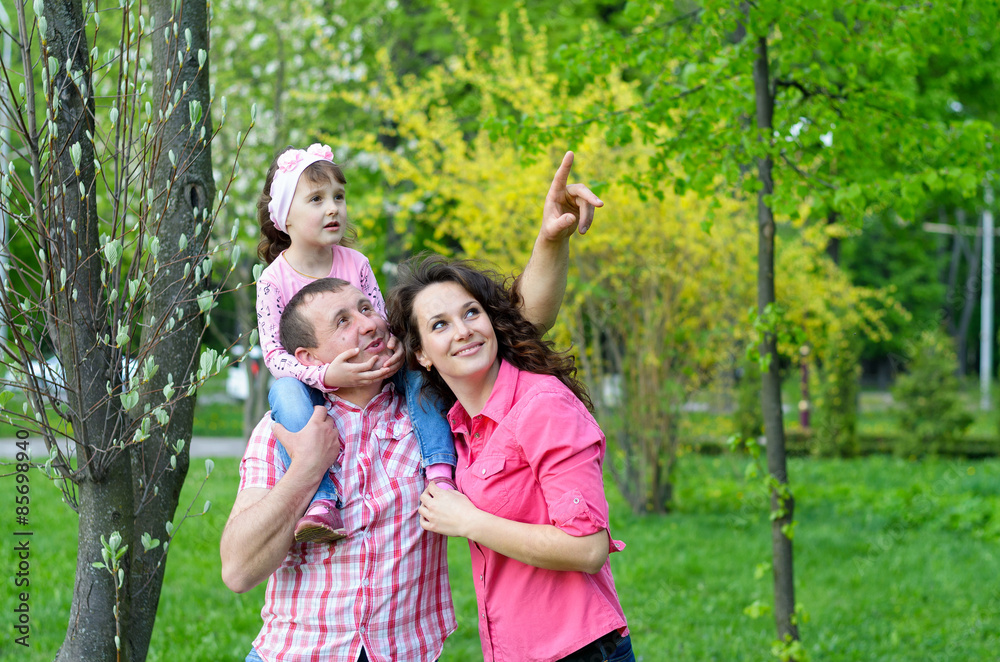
[653, 297]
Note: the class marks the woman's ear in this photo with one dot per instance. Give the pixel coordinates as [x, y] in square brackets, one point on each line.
[423, 360]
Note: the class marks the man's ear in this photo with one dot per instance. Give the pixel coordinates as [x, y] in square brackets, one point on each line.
[305, 356]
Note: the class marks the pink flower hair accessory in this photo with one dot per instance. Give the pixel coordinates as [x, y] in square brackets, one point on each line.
[290, 159]
[291, 164]
[322, 151]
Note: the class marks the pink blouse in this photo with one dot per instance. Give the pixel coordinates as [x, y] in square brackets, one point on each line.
[278, 284]
[534, 455]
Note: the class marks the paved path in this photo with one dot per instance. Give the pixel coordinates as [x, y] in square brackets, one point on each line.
[200, 447]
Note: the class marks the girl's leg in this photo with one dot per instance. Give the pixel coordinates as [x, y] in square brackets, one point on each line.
[437, 445]
[292, 402]
[292, 405]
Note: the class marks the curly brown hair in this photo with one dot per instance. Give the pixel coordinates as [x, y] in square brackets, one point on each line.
[519, 341]
[273, 240]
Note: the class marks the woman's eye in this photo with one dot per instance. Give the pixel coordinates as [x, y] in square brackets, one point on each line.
[437, 325]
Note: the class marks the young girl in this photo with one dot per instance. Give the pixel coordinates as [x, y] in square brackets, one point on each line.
[303, 219]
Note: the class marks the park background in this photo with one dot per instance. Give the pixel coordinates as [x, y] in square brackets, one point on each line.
[449, 120]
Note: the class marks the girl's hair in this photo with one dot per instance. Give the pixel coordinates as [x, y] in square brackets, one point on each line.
[273, 240]
[519, 341]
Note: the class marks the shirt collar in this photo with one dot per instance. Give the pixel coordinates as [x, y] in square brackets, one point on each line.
[382, 399]
[497, 405]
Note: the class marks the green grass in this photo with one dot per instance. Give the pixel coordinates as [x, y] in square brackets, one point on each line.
[895, 560]
[215, 415]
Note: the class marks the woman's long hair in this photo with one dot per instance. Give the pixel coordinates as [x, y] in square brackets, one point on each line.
[519, 341]
[273, 240]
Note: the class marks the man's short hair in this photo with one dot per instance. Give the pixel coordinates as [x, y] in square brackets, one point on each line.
[295, 330]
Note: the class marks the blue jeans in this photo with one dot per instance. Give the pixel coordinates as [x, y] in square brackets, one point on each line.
[292, 405]
[623, 653]
[437, 446]
[601, 651]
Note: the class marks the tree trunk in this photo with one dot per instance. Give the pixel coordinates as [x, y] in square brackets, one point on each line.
[957, 249]
[189, 199]
[782, 504]
[70, 234]
[969, 300]
[833, 246]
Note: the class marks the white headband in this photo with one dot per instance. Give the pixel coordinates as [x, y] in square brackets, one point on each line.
[286, 177]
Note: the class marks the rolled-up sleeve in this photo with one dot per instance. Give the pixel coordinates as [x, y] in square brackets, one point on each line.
[565, 448]
[261, 466]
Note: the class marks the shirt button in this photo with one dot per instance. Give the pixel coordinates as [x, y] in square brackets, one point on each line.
[480, 578]
[576, 501]
[477, 435]
[484, 472]
[364, 582]
[361, 629]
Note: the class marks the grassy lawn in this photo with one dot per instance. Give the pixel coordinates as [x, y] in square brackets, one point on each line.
[216, 414]
[894, 561]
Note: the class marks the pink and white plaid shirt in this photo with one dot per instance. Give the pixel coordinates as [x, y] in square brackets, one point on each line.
[384, 587]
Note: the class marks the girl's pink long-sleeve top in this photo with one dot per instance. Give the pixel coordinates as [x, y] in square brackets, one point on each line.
[279, 282]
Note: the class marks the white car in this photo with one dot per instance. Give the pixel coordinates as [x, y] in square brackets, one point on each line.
[49, 376]
[237, 384]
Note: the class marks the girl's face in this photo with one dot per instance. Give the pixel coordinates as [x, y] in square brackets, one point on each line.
[318, 214]
[456, 335]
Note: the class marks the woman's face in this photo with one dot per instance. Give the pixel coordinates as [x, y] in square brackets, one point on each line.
[456, 335]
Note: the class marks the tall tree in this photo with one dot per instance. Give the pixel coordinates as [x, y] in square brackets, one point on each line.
[112, 189]
[831, 104]
[653, 304]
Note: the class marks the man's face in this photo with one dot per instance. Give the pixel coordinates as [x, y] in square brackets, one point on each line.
[346, 320]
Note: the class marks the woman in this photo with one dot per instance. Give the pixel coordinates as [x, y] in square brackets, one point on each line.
[532, 501]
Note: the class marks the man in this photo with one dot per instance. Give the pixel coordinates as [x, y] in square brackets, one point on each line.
[384, 589]
[382, 593]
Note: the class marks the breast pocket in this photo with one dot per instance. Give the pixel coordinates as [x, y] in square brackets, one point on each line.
[487, 485]
[400, 457]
